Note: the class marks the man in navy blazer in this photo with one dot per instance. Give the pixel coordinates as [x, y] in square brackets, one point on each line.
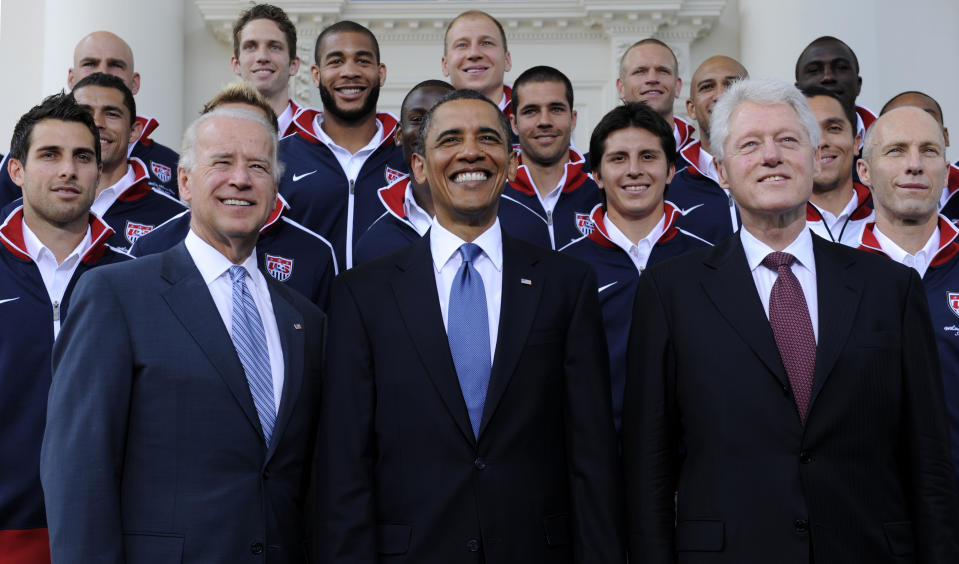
[752, 436]
[414, 469]
[155, 448]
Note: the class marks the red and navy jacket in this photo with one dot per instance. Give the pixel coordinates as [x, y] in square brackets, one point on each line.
[706, 209]
[160, 160]
[26, 343]
[285, 249]
[392, 230]
[529, 221]
[950, 204]
[941, 283]
[139, 209]
[617, 278]
[322, 198]
[291, 128]
[852, 228]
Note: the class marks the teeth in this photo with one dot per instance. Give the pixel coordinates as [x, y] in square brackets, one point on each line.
[474, 71]
[349, 91]
[232, 202]
[636, 188]
[470, 177]
[773, 178]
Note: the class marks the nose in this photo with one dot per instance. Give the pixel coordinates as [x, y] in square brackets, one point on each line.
[240, 176]
[470, 150]
[827, 76]
[913, 162]
[771, 153]
[262, 54]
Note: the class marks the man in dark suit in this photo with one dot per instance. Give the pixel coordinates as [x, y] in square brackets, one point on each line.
[183, 406]
[787, 387]
[467, 412]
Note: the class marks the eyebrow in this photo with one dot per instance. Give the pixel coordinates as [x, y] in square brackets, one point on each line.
[360, 53]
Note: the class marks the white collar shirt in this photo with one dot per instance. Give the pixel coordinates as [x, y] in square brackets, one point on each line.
[638, 252]
[56, 276]
[215, 270]
[707, 165]
[351, 163]
[286, 118]
[108, 196]
[920, 261]
[835, 223]
[444, 247]
[417, 216]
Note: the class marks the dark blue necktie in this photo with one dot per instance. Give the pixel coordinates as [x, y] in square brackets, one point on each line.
[250, 342]
[468, 333]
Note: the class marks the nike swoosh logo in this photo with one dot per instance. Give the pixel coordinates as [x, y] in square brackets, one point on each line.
[601, 288]
[9, 300]
[686, 211]
[297, 177]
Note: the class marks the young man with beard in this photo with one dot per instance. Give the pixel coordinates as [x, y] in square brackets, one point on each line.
[552, 194]
[340, 156]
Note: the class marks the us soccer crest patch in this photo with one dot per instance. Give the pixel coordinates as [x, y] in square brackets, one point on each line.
[161, 171]
[952, 298]
[584, 224]
[134, 231]
[392, 175]
[279, 267]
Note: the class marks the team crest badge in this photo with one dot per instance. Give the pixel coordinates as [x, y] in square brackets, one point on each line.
[162, 172]
[136, 230]
[584, 224]
[392, 175]
[952, 298]
[279, 267]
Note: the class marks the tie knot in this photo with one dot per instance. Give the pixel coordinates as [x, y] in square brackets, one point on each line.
[470, 251]
[236, 273]
[775, 261]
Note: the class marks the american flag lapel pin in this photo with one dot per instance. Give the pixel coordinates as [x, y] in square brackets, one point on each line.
[525, 281]
[297, 326]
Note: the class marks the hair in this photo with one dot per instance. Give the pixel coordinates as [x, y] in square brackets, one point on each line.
[465, 94]
[630, 114]
[345, 26]
[431, 83]
[820, 41]
[649, 41]
[474, 14]
[542, 73]
[265, 12]
[60, 107]
[109, 81]
[916, 93]
[765, 92]
[188, 145]
[241, 92]
[849, 112]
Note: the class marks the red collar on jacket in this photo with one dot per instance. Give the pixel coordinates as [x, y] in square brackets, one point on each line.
[866, 115]
[149, 126]
[278, 209]
[575, 175]
[304, 125]
[139, 187]
[600, 233]
[685, 130]
[393, 197]
[508, 109]
[862, 211]
[11, 235]
[948, 245]
[690, 154]
[291, 129]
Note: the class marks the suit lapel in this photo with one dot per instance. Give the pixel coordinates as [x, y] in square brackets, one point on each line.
[733, 291]
[522, 287]
[418, 302]
[289, 321]
[190, 300]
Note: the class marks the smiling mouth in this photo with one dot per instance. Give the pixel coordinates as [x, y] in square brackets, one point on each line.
[476, 70]
[470, 176]
[66, 190]
[235, 202]
[636, 187]
[826, 159]
[652, 93]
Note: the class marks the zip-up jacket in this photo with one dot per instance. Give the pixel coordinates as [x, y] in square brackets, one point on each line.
[851, 229]
[160, 160]
[950, 204]
[706, 208]
[139, 209]
[392, 230]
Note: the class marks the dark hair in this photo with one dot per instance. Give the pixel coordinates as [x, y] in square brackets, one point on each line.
[109, 81]
[917, 93]
[345, 26]
[465, 94]
[430, 83]
[61, 107]
[630, 114]
[541, 73]
[850, 112]
[473, 14]
[649, 41]
[265, 12]
[820, 41]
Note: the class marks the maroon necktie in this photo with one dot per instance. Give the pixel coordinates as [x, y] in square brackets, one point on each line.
[789, 317]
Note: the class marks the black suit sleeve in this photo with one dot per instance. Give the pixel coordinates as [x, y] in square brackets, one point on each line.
[83, 447]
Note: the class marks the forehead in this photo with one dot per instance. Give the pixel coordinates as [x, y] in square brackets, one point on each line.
[468, 115]
[719, 68]
[541, 92]
[825, 52]
[476, 25]
[98, 96]
[103, 46]
[917, 101]
[346, 41]
[649, 54]
[262, 28]
[750, 118]
[58, 133]
[632, 139]
[824, 107]
[224, 134]
[907, 125]
[423, 98]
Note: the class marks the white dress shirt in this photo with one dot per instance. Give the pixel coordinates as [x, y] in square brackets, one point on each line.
[447, 259]
[804, 267]
[215, 270]
[108, 196]
[418, 217]
[639, 252]
[351, 163]
[920, 261]
[284, 120]
[56, 277]
[836, 224]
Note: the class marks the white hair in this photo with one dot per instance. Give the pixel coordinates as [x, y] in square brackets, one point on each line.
[764, 92]
[188, 145]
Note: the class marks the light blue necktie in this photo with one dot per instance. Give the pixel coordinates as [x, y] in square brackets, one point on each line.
[468, 333]
[250, 342]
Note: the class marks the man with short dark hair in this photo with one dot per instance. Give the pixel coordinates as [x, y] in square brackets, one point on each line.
[342, 155]
[49, 239]
[264, 54]
[125, 199]
[499, 447]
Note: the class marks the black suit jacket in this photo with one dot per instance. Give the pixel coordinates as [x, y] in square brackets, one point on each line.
[709, 412]
[404, 480]
[153, 450]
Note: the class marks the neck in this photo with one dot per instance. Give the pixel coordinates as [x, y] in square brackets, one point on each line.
[834, 200]
[235, 249]
[669, 119]
[545, 177]
[776, 231]
[60, 239]
[422, 196]
[111, 174]
[279, 102]
[910, 234]
[704, 143]
[495, 93]
[637, 228]
[468, 226]
[352, 136]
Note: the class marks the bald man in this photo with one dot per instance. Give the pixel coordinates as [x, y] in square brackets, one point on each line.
[710, 210]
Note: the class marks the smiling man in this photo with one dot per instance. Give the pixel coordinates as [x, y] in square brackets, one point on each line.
[466, 413]
[759, 368]
[341, 156]
[192, 438]
[475, 56]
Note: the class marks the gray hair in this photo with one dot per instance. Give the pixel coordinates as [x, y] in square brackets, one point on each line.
[764, 92]
[188, 145]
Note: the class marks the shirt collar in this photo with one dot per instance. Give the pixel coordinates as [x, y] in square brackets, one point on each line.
[36, 249]
[756, 250]
[210, 262]
[444, 244]
[623, 242]
[328, 141]
[898, 254]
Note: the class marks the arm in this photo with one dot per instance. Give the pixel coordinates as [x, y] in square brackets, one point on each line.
[81, 461]
[650, 423]
[594, 473]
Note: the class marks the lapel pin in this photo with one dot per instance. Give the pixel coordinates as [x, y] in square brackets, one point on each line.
[297, 326]
[526, 281]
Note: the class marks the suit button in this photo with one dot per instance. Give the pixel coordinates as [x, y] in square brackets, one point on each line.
[472, 545]
[801, 525]
[805, 457]
[256, 548]
[480, 464]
